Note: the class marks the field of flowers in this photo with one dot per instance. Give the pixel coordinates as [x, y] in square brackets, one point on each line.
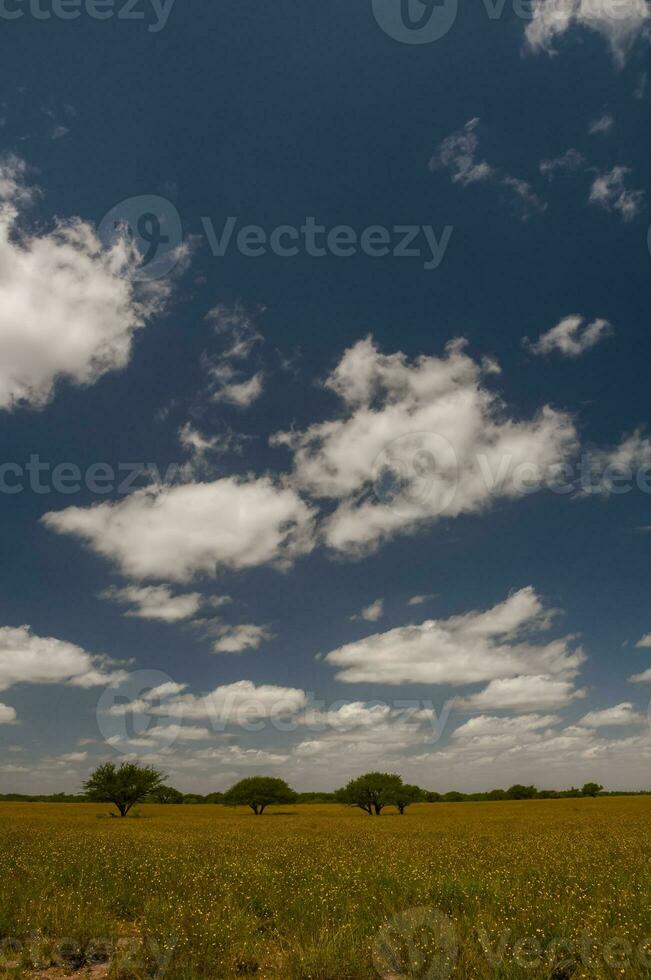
[552, 889]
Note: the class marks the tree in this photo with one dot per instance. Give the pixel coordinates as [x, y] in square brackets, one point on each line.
[520, 792]
[214, 798]
[259, 792]
[167, 794]
[124, 786]
[370, 792]
[405, 794]
[591, 789]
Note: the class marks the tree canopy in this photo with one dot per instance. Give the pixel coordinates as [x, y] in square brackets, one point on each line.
[124, 786]
[371, 792]
[259, 792]
[591, 789]
[405, 794]
[167, 794]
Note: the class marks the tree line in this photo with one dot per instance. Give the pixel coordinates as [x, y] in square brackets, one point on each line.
[373, 792]
[129, 783]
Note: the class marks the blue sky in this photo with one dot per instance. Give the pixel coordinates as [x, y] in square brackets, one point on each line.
[316, 501]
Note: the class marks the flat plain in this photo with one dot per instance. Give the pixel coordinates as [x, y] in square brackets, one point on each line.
[549, 888]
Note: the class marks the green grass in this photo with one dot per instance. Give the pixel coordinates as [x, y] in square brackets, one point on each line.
[521, 889]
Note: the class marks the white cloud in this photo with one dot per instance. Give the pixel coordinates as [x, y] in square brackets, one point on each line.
[620, 23]
[69, 308]
[164, 735]
[69, 757]
[238, 325]
[236, 703]
[644, 641]
[27, 658]
[227, 385]
[228, 382]
[601, 125]
[572, 336]
[156, 602]
[608, 466]
[372, 612]
[176, 532]
[418, 441]
[457, 153]
[246, 636]
[609, 192]
[619, 714]
[522, 693]
[547, 756]
[490, 729]
[7, 716]
[467, 649]
[418, 600]
[526, 200]
[643, 678]
[236, 756]
[569, 162]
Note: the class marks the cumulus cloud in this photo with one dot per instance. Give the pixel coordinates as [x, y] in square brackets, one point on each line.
[609, 192]
[177, 532]
[235, 639]
[7, 714]
[418, 600]
[607, 467]
[522, 693]
[69, 307]
[237, 704]
[601, 125]
[620, 23]
[544, 754]
[477, 646]
[156, 602]
[644, 641]
[571, 337]
[202, 447]
[619, 714]
[417, 441]
[29, 659]
[491, 730]
[372, 612]
[642, 678]
[228, 386]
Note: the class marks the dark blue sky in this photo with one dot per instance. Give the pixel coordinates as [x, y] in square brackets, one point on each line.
[272, 114]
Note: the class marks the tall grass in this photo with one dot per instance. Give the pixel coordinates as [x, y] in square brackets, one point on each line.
[535, 889]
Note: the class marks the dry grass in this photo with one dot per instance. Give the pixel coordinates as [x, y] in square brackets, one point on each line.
[533, 889]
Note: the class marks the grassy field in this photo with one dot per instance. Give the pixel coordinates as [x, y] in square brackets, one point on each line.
[554, 888]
